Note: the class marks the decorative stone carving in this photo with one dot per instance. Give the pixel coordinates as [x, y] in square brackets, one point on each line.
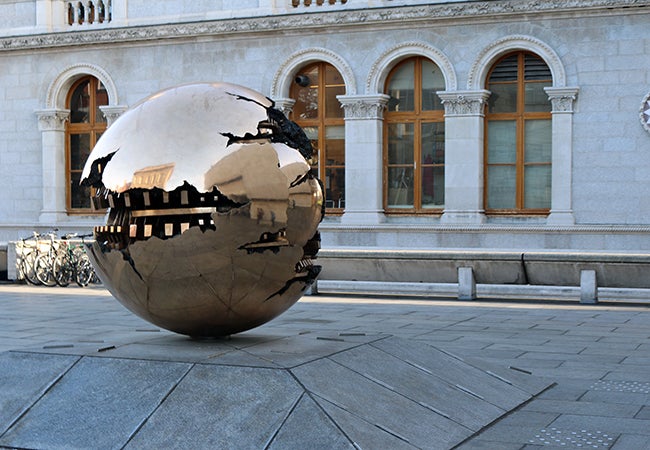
[380, 68]
[112, 112]
[399, 15]
[478, 72]
[464, 103]
[562, 99]
[52, 119]
[58, 89]
[285, 105]
[285, 73]
[644, 113]
[364, 106]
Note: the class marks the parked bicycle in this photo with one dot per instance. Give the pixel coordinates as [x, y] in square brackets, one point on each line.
[72, 264]
[44, 259]
[27, 255]
[43, 263]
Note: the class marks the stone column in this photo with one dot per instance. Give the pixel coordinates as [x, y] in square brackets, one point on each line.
[51, 123]
[464, 136]
[112, 113]
[562, 100]
[363, 158]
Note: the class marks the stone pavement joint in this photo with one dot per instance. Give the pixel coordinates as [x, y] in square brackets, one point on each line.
[333, 371]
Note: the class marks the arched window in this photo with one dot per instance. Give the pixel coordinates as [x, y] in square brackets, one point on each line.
[414, 137]
[518, 136]
[319, 113]
[86, 125]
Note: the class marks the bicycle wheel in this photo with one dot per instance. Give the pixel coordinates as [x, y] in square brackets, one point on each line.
[43, 270]
[85, 272]
[63, 269]
[28, 267]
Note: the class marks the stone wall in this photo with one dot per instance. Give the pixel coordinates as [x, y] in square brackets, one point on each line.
[596, 48]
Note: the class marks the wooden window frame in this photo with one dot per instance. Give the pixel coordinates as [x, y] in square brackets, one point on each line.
[520, 116]
[93, 129]
[417, 117]
[321, 123]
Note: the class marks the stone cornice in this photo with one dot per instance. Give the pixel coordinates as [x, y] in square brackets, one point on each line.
[349, 17]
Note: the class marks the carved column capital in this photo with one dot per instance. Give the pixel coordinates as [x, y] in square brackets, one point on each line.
[562, 98]
[285, 105]
[464, 103]
[112, 112]
[364, 106]
[52, 119]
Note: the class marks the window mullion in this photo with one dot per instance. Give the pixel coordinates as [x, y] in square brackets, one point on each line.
[521, 92]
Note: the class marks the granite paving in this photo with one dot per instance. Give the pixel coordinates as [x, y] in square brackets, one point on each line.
[78, 370]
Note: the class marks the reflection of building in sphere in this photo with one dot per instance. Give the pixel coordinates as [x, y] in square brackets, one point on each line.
[213, 213]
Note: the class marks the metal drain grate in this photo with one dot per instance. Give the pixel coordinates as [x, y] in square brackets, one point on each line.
[636, 387]
[572, 439]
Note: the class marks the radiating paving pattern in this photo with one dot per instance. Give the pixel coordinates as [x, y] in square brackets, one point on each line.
[312, 362]
[365, 391]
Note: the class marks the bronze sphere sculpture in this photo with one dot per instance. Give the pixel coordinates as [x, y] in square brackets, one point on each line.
[213, 210]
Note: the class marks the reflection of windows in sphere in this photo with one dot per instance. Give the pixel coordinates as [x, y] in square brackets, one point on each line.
[213, 210]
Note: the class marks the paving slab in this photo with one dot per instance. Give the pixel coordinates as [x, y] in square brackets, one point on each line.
[221, 407]
[594, 359]
[309, 423]
[24, 378]
[98, 404]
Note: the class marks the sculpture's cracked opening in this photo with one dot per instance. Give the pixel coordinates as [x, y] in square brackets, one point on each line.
[212, 209]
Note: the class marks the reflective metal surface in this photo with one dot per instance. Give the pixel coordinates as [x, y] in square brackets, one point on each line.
[213, 211]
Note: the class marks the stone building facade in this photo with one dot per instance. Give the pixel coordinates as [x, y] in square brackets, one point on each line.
[564, 164]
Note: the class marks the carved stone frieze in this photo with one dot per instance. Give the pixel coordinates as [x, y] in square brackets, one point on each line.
[363, 106]
[346, 17]
[52, 119]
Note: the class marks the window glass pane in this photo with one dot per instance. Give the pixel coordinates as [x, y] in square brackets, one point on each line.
[335, 145]
[433, 143]
[306, 94]
[537, 187]
[503, 98]
[79, 150]
[80, 103]
[535, 68]
[432, 81]
[502, 182]
[535, 99]
[505, 70]
[400, 187]
[79, 195]
[333, 86]
[433, 187]
[502, 141]
[101, 99]
[400, 143]
[335, 187]
[537, 141]
[312, 134]
[401, 87]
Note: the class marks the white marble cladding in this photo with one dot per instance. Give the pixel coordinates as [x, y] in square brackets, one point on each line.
[598, 51]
